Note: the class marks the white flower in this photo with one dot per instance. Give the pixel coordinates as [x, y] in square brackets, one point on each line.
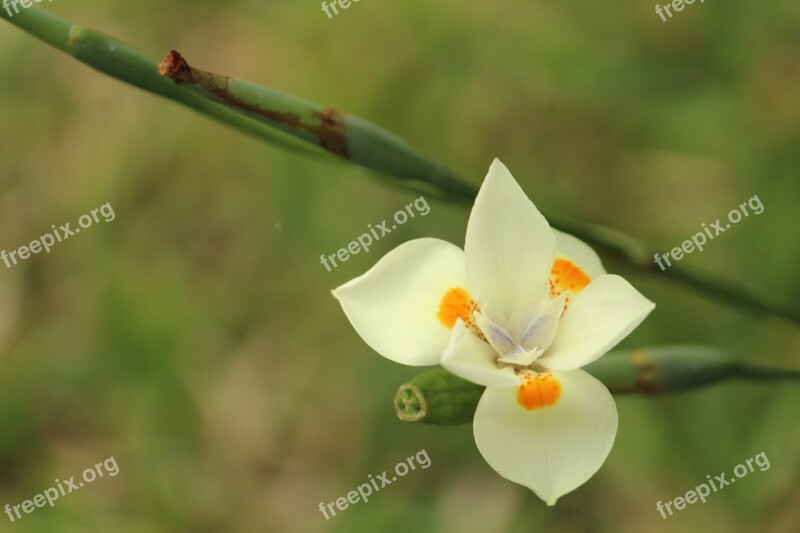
[520, 310]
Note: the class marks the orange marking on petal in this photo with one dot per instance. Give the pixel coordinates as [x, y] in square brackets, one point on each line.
[567, 276]
[540, 390]
[455, 304]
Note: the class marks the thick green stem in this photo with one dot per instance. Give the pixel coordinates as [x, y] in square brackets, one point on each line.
[123, 62]
[341, 134]
[438, 397]
[300, 125]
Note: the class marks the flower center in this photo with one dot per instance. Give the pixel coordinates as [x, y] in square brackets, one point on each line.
[521, 338]
[538, 390]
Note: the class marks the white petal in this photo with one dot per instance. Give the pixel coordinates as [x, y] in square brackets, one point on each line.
[551, 450]
[603, 314]
[393, 306]
[580, 253]
[509, 246]
[469, 357]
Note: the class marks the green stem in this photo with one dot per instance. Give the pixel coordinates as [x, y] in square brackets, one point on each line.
[626, 250]
[438, 397]
[312, 129]
[123, 62]
[341, 134]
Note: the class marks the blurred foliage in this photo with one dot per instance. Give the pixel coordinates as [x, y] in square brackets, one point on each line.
[194, 337]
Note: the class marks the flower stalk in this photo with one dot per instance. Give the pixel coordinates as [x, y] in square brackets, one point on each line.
[119, 60]
[343, 135]
[439, 397]
[314, 130]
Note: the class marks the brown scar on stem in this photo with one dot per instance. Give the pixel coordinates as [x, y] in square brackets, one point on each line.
[175, 67]
[329, 130]
[645, 381]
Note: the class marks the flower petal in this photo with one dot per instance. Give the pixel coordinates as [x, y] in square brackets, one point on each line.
[509, 246]
[469, 357]
[580, 253]
[603, 314]
[551, 449]
[394, 305]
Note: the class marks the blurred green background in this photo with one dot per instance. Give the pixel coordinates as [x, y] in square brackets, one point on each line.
[194, 338]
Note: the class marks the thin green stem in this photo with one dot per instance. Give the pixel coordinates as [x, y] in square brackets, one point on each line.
[626, 250]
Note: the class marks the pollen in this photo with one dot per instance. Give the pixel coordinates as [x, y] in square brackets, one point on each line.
[456, 303]
[539, 390]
